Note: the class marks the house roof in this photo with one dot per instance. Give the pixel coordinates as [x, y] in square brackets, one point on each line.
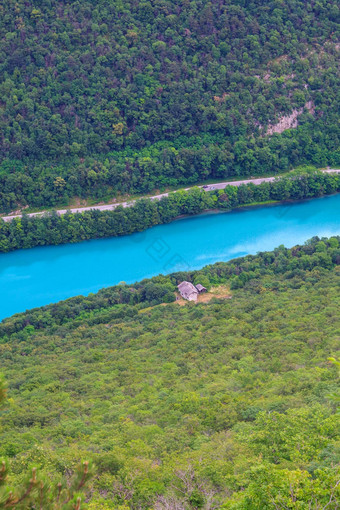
[187, 288]
[200, 287]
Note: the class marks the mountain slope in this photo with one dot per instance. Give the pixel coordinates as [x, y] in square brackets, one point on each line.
[109, 96]
[227, 403]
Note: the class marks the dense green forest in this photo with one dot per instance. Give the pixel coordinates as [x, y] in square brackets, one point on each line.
[105, 97]
[28, 232]
[226, 404]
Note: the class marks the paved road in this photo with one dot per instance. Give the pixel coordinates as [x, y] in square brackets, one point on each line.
[110, 207]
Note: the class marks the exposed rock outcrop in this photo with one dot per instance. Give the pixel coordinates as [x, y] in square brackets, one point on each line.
[289, 121]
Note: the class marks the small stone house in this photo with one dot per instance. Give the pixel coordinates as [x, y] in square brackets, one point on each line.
[188, 291]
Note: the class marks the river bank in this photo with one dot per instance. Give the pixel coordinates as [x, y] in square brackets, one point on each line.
[53, 229]
[129, 203]
[36, 277]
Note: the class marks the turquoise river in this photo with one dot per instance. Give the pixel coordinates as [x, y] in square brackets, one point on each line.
[31, 278]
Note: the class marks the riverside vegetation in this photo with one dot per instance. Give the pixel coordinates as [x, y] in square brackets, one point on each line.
[27, 232]
[227, 404]
[107, 97]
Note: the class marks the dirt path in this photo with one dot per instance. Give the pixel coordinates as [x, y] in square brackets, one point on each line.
[110, 207]
[220, 292]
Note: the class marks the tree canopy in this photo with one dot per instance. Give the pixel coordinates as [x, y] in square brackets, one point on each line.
[107, 97]
[224, 404]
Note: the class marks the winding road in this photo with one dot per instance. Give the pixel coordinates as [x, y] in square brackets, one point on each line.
[110, 207]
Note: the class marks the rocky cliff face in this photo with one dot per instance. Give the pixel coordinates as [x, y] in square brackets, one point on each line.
[289, 121]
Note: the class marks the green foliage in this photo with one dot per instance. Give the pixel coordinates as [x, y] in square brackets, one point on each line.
[27, 232]
[106, 97]
[335, 397]
[36, 492]
[2, 390]
[280, 488]
[224, 404]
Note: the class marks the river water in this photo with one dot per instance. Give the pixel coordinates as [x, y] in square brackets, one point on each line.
[39, 276]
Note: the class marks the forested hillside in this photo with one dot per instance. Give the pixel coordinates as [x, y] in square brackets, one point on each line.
[104, 97]
[227, 404]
